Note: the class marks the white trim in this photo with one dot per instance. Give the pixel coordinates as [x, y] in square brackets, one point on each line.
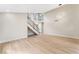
[62, 35]
[7, 40]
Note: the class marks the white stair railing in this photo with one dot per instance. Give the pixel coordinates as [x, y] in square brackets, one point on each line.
[33, 25]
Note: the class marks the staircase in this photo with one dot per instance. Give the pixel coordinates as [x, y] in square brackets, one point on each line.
[33, 28]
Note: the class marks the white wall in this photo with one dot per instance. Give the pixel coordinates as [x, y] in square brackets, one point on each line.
[14, 26]
[63, 21]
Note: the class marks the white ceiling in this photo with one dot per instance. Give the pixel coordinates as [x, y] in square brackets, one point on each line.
[36, 8]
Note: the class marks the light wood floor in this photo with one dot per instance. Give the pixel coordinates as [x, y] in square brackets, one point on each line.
[42, 44]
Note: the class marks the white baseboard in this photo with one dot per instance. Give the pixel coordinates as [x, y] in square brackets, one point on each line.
[62, 35]
[7, 40]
